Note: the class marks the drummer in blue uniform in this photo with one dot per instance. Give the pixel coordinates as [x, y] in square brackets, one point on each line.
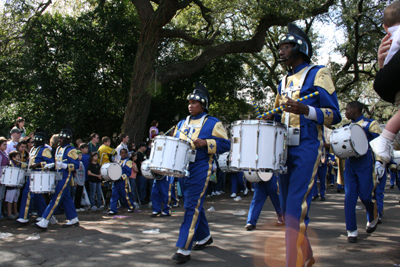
[305, 120]
[360, 177]
[161, 195]
[261, 192]
[66, 163]
[39, 156]
[208, 138]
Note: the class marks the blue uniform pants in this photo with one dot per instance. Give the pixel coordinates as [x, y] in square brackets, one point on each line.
[120, 190]
[174, 192]
[359, 182]
[393, 176]
[195, 225]
[331, 176]
[141, 182]
[62, 197]
[321, 175]
[261, 192]
[237, 179]
[161, 195]
[27, 198]
[380, 195]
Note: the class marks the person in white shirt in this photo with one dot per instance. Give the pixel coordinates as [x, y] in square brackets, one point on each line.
[124, 144]
[15, 136]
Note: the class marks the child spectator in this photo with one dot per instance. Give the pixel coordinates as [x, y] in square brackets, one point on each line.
[79, 183]
[154, 125]
[3, 162]
[12, 193]
[386, 79]
[85, 160]
[95, 181]
[78, 142]
[105, 151]
[120, 188]
[22, 147]
[20, 123]
[132, 178]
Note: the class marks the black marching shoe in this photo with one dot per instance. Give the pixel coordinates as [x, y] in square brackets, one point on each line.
[352, 239]
[153, 215]
[315, 197]
[323, 198]
[200, 247]
[370, 230]
[249, 227]
[180, 257]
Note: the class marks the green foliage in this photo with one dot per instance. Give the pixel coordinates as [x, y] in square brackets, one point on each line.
[73, 71]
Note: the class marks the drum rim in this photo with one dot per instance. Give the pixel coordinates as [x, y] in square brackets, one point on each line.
[254, 122]
[170, 138]
[174, 173]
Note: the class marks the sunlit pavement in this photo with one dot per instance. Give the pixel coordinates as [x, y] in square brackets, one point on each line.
[106, 241]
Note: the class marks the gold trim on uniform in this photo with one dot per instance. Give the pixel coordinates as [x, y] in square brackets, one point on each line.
[71, 167]
[73, 154]
[47, 153]
[169, 198]
[328, 116]
[127, 190]
[211, 146]
[124, 176]
[304, 205]
[219, 131]
[67, 181]
[323, 79]
[129, 164]
[196, 210]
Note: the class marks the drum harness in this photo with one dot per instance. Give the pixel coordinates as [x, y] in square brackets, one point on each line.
[192, 152]
[293, 133]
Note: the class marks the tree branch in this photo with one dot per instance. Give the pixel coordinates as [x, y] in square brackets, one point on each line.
[183, 35]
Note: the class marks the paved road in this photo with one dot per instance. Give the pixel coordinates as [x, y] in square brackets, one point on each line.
[104, 241]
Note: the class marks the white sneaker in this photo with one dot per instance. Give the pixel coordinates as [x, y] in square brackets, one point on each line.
[81, 209]
[382, 147]
[217, 193]
[101, 207]
[94, 208]
[43, 224]
[233, 195]
[246, 191]
[22, 220]
[73, 221]
[212, 193]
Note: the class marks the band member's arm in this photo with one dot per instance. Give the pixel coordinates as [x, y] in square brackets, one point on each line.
[127, 170]
[72, 160]
[219, 142]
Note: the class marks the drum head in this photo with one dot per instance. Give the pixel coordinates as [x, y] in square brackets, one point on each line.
[114, 171]
[265, 176]
[359, 139]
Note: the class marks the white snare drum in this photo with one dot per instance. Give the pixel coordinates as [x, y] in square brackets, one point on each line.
[111, 171]
[255, 177]
[224, 162]
[258, 146]
[169, 156]
[349, 141]
[13, 176]
[44, 182]
[147, 173]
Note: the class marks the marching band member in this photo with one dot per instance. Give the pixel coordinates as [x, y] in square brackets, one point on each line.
[321, 175]
[360, 177]
[161, 194]
[39, 156]
[209, 138]
[121, 188]
[66, 163]
[261, 192]
[305, 120]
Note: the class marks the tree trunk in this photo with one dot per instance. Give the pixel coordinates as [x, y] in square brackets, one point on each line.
[138, 106]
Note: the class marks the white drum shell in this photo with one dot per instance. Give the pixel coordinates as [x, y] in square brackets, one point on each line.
[223, 161]
[349, 141]
[396, 157]
[255, 177]
[111, 171]
[13, 176]
[258, 146]
[147, 173]
[169, 156]
[44, 182]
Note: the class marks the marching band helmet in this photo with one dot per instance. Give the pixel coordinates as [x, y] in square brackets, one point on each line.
[40, 137]
[200, 94]
[297, 37]
[66, 134]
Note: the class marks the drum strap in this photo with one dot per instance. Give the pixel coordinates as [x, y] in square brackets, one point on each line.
[123, 163]
[192, 126]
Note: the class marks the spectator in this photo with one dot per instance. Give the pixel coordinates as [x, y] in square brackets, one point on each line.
[54, 144]
[3, 162]
[140, 180]
[12, 144]
[78, 142]
[19, 123]
[84, 148]
[95, 182]
[154, 125]
[29, 143]
[12, 193]
[23, 150]
[94, 143]
[105, 151]
[124, 144]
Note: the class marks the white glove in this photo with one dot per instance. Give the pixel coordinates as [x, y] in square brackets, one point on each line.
[48, 166]
[379, 169]
[61, 165]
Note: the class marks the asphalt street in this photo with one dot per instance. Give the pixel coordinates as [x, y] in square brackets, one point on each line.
[116, 241]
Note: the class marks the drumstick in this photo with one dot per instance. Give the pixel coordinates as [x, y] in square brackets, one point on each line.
[280, 108]
[185, 134]
[173, 127]
[256, 107]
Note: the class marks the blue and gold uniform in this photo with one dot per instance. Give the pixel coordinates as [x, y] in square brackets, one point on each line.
[42, 155]
[302, 162]
[360, 178]
[161, 195]
[121, 189]
[68, 155]
[261, 192]
[195, 225]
